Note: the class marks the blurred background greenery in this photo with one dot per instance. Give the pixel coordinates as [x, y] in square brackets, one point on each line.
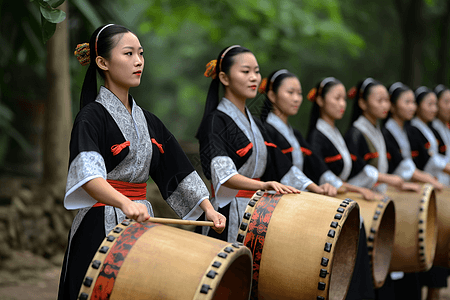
[389, 40]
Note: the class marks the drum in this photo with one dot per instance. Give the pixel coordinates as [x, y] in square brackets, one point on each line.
[442, 258]
[153, 261]
[415, 229]
[304, 245]
[379, 220]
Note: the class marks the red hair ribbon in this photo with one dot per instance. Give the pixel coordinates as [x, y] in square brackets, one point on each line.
[312, 95]
[116, 149]
[211, 69]
[243, 151]
[270, 144]
[263, 86]
[351, 94]
[159, 145]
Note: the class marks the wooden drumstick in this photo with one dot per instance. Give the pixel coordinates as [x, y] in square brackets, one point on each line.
[180, 222]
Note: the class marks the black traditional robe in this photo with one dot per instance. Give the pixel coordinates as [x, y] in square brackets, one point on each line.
[231, 143]
[153, 151]
[427, 149]
[297, 149]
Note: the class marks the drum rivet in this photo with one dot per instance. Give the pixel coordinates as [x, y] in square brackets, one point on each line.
[420, 221]
[421, 209]
[96, 264]
[422, 259]
[372, 230]
[125, 223]
[222, 255]
[320, 298]
[422, 247]
[371, 238]
[377, 212]
[380, 205]
[322, 286]
[211, 274]
[334, 224]
[103, 249]
[422, 201]
[243, 226]
[343, 205]
[236, 245]
[327, 247]
[205, 289]
[420, 230]
[337, 216]
[240, 238]
[110, 238]
[345, 202]
[252, 203]
[216, 264]
[370, 248]
[323, 273]
[348, 199]
[331, 233]
[259, 193]
[324, 261]
[247, 216]
[88, 281]
[228, 249]
[385, 200]
[375, 217]
[84, 296]
[420, 239]
[117, 230]
[340, 209]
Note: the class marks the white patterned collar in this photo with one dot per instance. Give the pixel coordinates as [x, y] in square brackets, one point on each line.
[400, 136]
[444, 132]
[373, 133]
[429, 135]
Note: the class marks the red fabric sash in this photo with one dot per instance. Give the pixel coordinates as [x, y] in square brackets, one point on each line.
[243, 151]
[288, 150]
[134, 191]
[331, 159]
[241, 193]
[370, 155]
[116, 149]
[306, 151]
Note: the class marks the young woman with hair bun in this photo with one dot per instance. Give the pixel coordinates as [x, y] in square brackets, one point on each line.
[234, 152]
[283, 98]
[115, 147]
[403, 108]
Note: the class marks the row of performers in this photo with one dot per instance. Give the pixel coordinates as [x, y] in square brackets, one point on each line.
[116, 146]
[241, 153]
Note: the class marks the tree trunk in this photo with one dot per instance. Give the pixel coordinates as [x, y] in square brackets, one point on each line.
[443, 52]
[413, 30]
[58, 116]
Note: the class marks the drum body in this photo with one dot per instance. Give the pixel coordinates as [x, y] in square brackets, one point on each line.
[442, 258]
[153, 261]
[415, 229]
[379, 220]
[304, 245]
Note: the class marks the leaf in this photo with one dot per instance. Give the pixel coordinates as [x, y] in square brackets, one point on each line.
[48, 29]
[54, 3]
[53, 15]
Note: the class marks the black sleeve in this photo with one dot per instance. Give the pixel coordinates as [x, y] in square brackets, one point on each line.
[394, 154]
[418, 142]
[358, 148]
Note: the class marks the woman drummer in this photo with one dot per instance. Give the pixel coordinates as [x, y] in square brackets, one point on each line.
[234, 152]
[115, 146]
[283, 97]
[403, 108]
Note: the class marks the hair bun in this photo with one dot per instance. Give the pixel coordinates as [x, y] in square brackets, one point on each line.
[351, 94]
[312, 95]
[263, 86]
[211, 69]
[83, 53]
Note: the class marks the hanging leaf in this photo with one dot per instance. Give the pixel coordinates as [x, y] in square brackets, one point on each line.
[54, 3]
[53, 15]
[48, 29]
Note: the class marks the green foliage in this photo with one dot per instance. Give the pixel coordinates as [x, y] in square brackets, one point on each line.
[50, 16]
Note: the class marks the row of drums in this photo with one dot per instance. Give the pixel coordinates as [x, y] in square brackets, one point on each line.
[293, 246]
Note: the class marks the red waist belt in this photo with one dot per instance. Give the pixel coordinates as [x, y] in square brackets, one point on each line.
[241, 193]
[134, 191]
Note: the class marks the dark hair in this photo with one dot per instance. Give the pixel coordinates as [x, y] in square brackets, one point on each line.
[420, 93]
[105, 43]
[439, 90]
[223, 65]
[322, 91]
[363, 89]
[273, 84]
[395, 90]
